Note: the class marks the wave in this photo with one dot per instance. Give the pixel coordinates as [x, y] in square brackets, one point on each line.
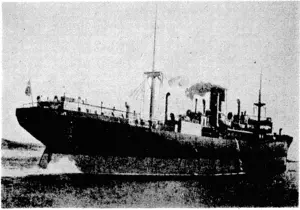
[8, 144]
[21, 159]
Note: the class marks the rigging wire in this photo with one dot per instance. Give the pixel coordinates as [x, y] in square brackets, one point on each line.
[136, 91]
[139, 94]
[143, 99]
[136, 95]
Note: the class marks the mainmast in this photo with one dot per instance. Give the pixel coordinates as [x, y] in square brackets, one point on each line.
[259, 104]
[153, 74]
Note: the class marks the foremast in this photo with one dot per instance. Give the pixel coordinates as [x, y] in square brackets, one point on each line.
[153, 74]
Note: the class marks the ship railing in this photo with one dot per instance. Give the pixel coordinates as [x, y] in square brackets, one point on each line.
[254, 117]
[28, 105]
[100, 110]
[134, 118]
[239, 134]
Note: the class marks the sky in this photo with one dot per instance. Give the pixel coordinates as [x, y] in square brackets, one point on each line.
[100, 51]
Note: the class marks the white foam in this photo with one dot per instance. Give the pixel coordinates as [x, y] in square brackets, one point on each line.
[58, 165]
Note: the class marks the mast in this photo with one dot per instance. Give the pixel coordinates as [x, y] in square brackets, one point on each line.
[151, 113]
[259, 104]
[153, 74]
[154, 41]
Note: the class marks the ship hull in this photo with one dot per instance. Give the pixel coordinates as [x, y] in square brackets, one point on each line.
[157, 166]
[93, 138]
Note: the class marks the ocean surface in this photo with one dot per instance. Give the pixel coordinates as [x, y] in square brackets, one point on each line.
[24, 184]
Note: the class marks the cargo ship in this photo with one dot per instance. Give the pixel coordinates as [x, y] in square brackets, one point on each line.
[198, 142]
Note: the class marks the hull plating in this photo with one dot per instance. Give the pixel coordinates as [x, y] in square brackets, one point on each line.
[89, 136]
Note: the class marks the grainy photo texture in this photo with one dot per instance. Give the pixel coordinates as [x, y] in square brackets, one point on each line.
[150, 104]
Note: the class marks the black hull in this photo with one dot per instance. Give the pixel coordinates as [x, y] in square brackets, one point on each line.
[77, 133]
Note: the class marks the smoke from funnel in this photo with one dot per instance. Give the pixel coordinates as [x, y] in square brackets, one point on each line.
[178, 81]
[200, 89]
